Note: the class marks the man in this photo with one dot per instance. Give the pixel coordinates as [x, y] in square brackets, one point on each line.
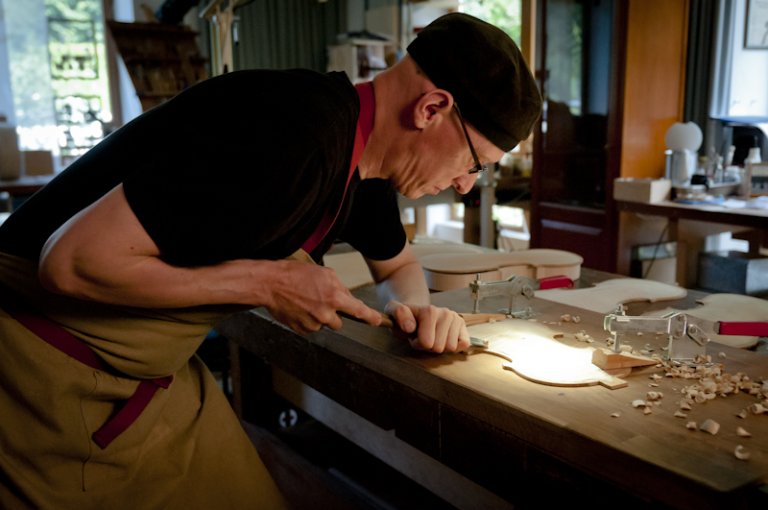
[112, 275]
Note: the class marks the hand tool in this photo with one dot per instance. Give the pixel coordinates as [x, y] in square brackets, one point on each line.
[387, 322]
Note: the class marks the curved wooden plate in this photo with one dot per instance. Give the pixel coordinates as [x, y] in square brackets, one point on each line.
[446, 271]
[606, 296]
[531, 351]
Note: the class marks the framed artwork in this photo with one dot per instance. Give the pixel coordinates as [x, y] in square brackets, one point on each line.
[756, 26]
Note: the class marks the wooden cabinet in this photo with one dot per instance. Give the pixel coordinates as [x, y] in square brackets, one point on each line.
[162, 60]
[612, 75]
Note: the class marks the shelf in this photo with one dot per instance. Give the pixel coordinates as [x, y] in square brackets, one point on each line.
[162, 60]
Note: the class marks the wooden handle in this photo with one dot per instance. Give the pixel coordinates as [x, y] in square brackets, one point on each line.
[469, 318]
[386, 321]
[481, 318]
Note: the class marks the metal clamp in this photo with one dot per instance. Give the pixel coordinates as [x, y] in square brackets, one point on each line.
[687, 341]
[519, 289]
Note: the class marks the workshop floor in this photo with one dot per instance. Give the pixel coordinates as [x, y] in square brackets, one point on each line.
[317, 468]
[314, 466]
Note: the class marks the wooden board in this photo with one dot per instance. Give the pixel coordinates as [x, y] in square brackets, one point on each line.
[728, 308]
[606, 296]
[531, 351]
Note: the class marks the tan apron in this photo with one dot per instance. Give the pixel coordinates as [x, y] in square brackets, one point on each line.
[186, 450]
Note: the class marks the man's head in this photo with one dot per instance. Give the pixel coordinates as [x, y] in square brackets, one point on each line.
[485, 72]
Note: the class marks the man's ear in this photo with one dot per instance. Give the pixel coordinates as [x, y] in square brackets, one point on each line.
[430, 105]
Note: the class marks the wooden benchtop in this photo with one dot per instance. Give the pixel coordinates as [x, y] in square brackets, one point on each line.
[469, 413]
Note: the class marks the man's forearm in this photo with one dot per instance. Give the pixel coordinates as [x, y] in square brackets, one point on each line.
[406, 285]
[152, 283]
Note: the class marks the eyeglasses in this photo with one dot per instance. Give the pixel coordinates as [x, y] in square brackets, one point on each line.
[479, 167]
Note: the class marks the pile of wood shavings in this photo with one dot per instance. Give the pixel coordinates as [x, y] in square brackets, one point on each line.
[713, 381]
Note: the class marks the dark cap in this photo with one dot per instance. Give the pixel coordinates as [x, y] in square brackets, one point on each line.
[483, 69]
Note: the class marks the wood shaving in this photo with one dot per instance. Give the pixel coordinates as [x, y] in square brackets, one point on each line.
[710, 425]
[741, 453]
[742, 433]
[691, 425]
[638, 403]
[615, 415]
[583, 336]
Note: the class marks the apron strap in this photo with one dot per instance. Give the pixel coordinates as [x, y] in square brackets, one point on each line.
[362, 132]
[61, 339]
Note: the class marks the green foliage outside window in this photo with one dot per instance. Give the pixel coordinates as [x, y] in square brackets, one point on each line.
[505, 14]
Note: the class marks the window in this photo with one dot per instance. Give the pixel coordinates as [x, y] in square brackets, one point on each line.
[739, 104]
[58, 75]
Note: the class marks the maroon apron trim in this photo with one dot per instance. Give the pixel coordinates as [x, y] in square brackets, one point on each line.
[362, 132]
[130, 410]
[61, 339]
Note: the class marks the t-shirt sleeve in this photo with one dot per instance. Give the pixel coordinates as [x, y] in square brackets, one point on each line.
[373, 226]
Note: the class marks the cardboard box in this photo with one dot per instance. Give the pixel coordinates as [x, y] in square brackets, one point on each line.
[38, 162]
[630, 189]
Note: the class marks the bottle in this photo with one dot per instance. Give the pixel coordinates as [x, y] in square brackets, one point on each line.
[754, 153]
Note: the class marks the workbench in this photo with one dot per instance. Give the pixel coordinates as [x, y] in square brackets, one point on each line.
[675, 212]
[483, 437]
[25, 185]
[19, 190]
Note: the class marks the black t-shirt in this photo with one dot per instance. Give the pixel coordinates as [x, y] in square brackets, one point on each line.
[243, 165]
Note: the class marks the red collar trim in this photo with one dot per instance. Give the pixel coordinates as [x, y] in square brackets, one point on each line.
[367, 108]
[362, 132]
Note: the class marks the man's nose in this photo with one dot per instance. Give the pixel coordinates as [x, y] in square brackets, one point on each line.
[464, 183]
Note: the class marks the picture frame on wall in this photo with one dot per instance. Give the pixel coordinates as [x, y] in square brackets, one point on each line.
[756, 26]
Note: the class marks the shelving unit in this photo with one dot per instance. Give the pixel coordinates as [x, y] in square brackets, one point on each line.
[361, 58]
[162, 60]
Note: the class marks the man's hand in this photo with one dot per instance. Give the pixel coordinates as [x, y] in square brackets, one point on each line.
[432, 328]
[306, 297]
